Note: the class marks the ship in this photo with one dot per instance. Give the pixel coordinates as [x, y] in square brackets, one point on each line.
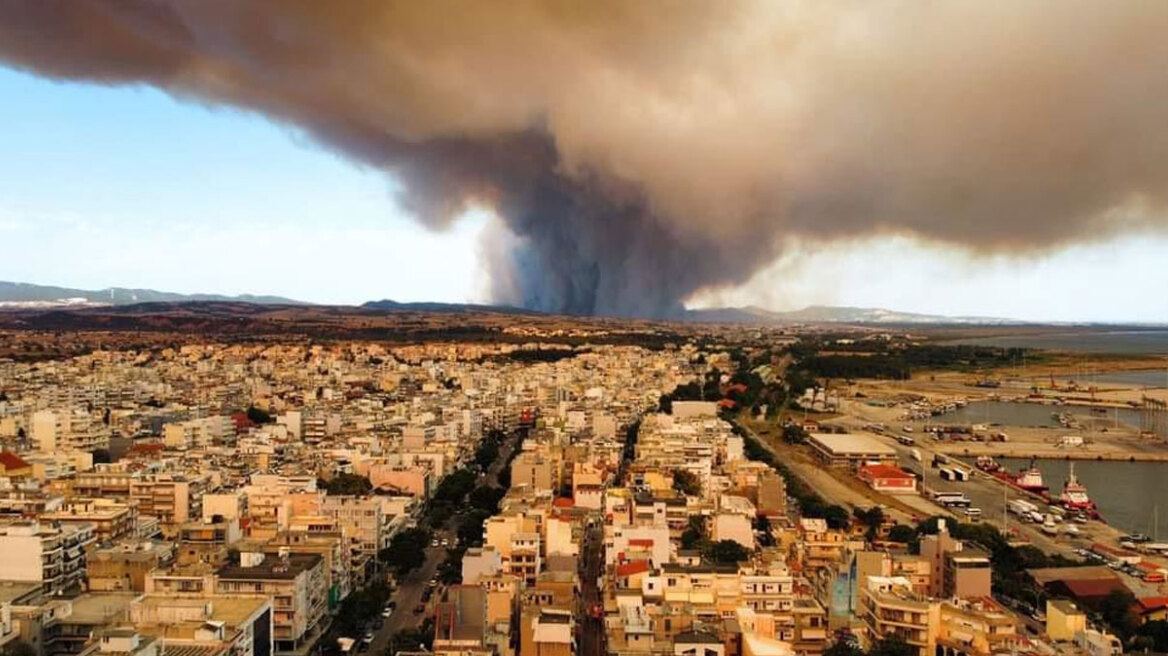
[1074, 496]
[1030, 479]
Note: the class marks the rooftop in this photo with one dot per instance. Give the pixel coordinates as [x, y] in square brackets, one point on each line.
[851, 444]
[273, 567]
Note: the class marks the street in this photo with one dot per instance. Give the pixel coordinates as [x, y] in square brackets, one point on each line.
[591, 563]
[409, 592]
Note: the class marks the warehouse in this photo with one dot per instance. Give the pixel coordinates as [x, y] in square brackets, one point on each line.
[852, 449]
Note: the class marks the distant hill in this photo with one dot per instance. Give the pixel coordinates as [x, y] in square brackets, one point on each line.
[425, 306]
[18, 295]
[831, 314]
[29, 296]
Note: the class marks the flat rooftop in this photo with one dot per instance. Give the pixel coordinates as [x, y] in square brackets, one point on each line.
[14, 591]
[230, 610]
[100, 607]
[847, 444]
[272, 568]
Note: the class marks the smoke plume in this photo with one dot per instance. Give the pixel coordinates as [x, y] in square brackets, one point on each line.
[639, 152]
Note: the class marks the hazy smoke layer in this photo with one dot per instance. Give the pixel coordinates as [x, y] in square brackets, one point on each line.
[640, 151]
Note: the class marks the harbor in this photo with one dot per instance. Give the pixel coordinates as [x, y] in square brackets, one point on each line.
[1070, 467]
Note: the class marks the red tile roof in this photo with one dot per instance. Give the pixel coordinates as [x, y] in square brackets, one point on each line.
[12, 461]
[1092, 588]
[634, 567]
[1151, 603]
[884, 471]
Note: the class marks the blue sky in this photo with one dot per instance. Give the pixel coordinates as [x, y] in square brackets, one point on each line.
[129, 187]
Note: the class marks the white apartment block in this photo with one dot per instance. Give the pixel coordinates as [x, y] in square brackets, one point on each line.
[198, 433]
[76, 430]
[53, 557]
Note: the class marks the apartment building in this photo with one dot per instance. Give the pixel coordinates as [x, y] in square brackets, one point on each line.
[297, 585]
[889, 608]
[172, 498]
[976, 627]
[198, 433]
[110, 519]
[68, 430]
[54, 557]
[207, 541]
[361, 519]
[238, 626]
[124, 567]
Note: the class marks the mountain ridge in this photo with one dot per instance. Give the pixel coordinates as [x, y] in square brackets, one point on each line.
[29, 296]
[23, 295]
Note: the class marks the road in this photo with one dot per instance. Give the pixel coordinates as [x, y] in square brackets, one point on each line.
[991, 495]
[825, 483]
[409, 592]
[591, 629]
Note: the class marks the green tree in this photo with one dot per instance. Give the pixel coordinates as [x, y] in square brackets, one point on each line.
[419, 639]
[455, 486]
[361, 607]
[470, 527]
[1116, 611]
[486, 498]
[892, 646]
[843, 648]
[872, 518]
[345, 483]
[837, 517]
[487, 452]
[726, 552]
[258, 415]
[694, 535]
[794, 434]
[665, 404]
[1155, 631]
[450, 570]
[685, 482]
[767, 537]
[406, 551]
[902, 533]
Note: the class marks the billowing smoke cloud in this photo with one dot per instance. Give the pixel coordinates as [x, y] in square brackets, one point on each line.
[639, 152]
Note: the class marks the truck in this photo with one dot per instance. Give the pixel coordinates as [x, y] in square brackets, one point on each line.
[1021, 508]
[952, 499]
[954, 473]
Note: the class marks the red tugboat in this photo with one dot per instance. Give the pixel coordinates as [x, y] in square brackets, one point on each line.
[1030, 479]
[1074, 495]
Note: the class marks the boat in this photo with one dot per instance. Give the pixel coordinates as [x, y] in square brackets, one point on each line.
[1030, 480]
[1074, 496]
